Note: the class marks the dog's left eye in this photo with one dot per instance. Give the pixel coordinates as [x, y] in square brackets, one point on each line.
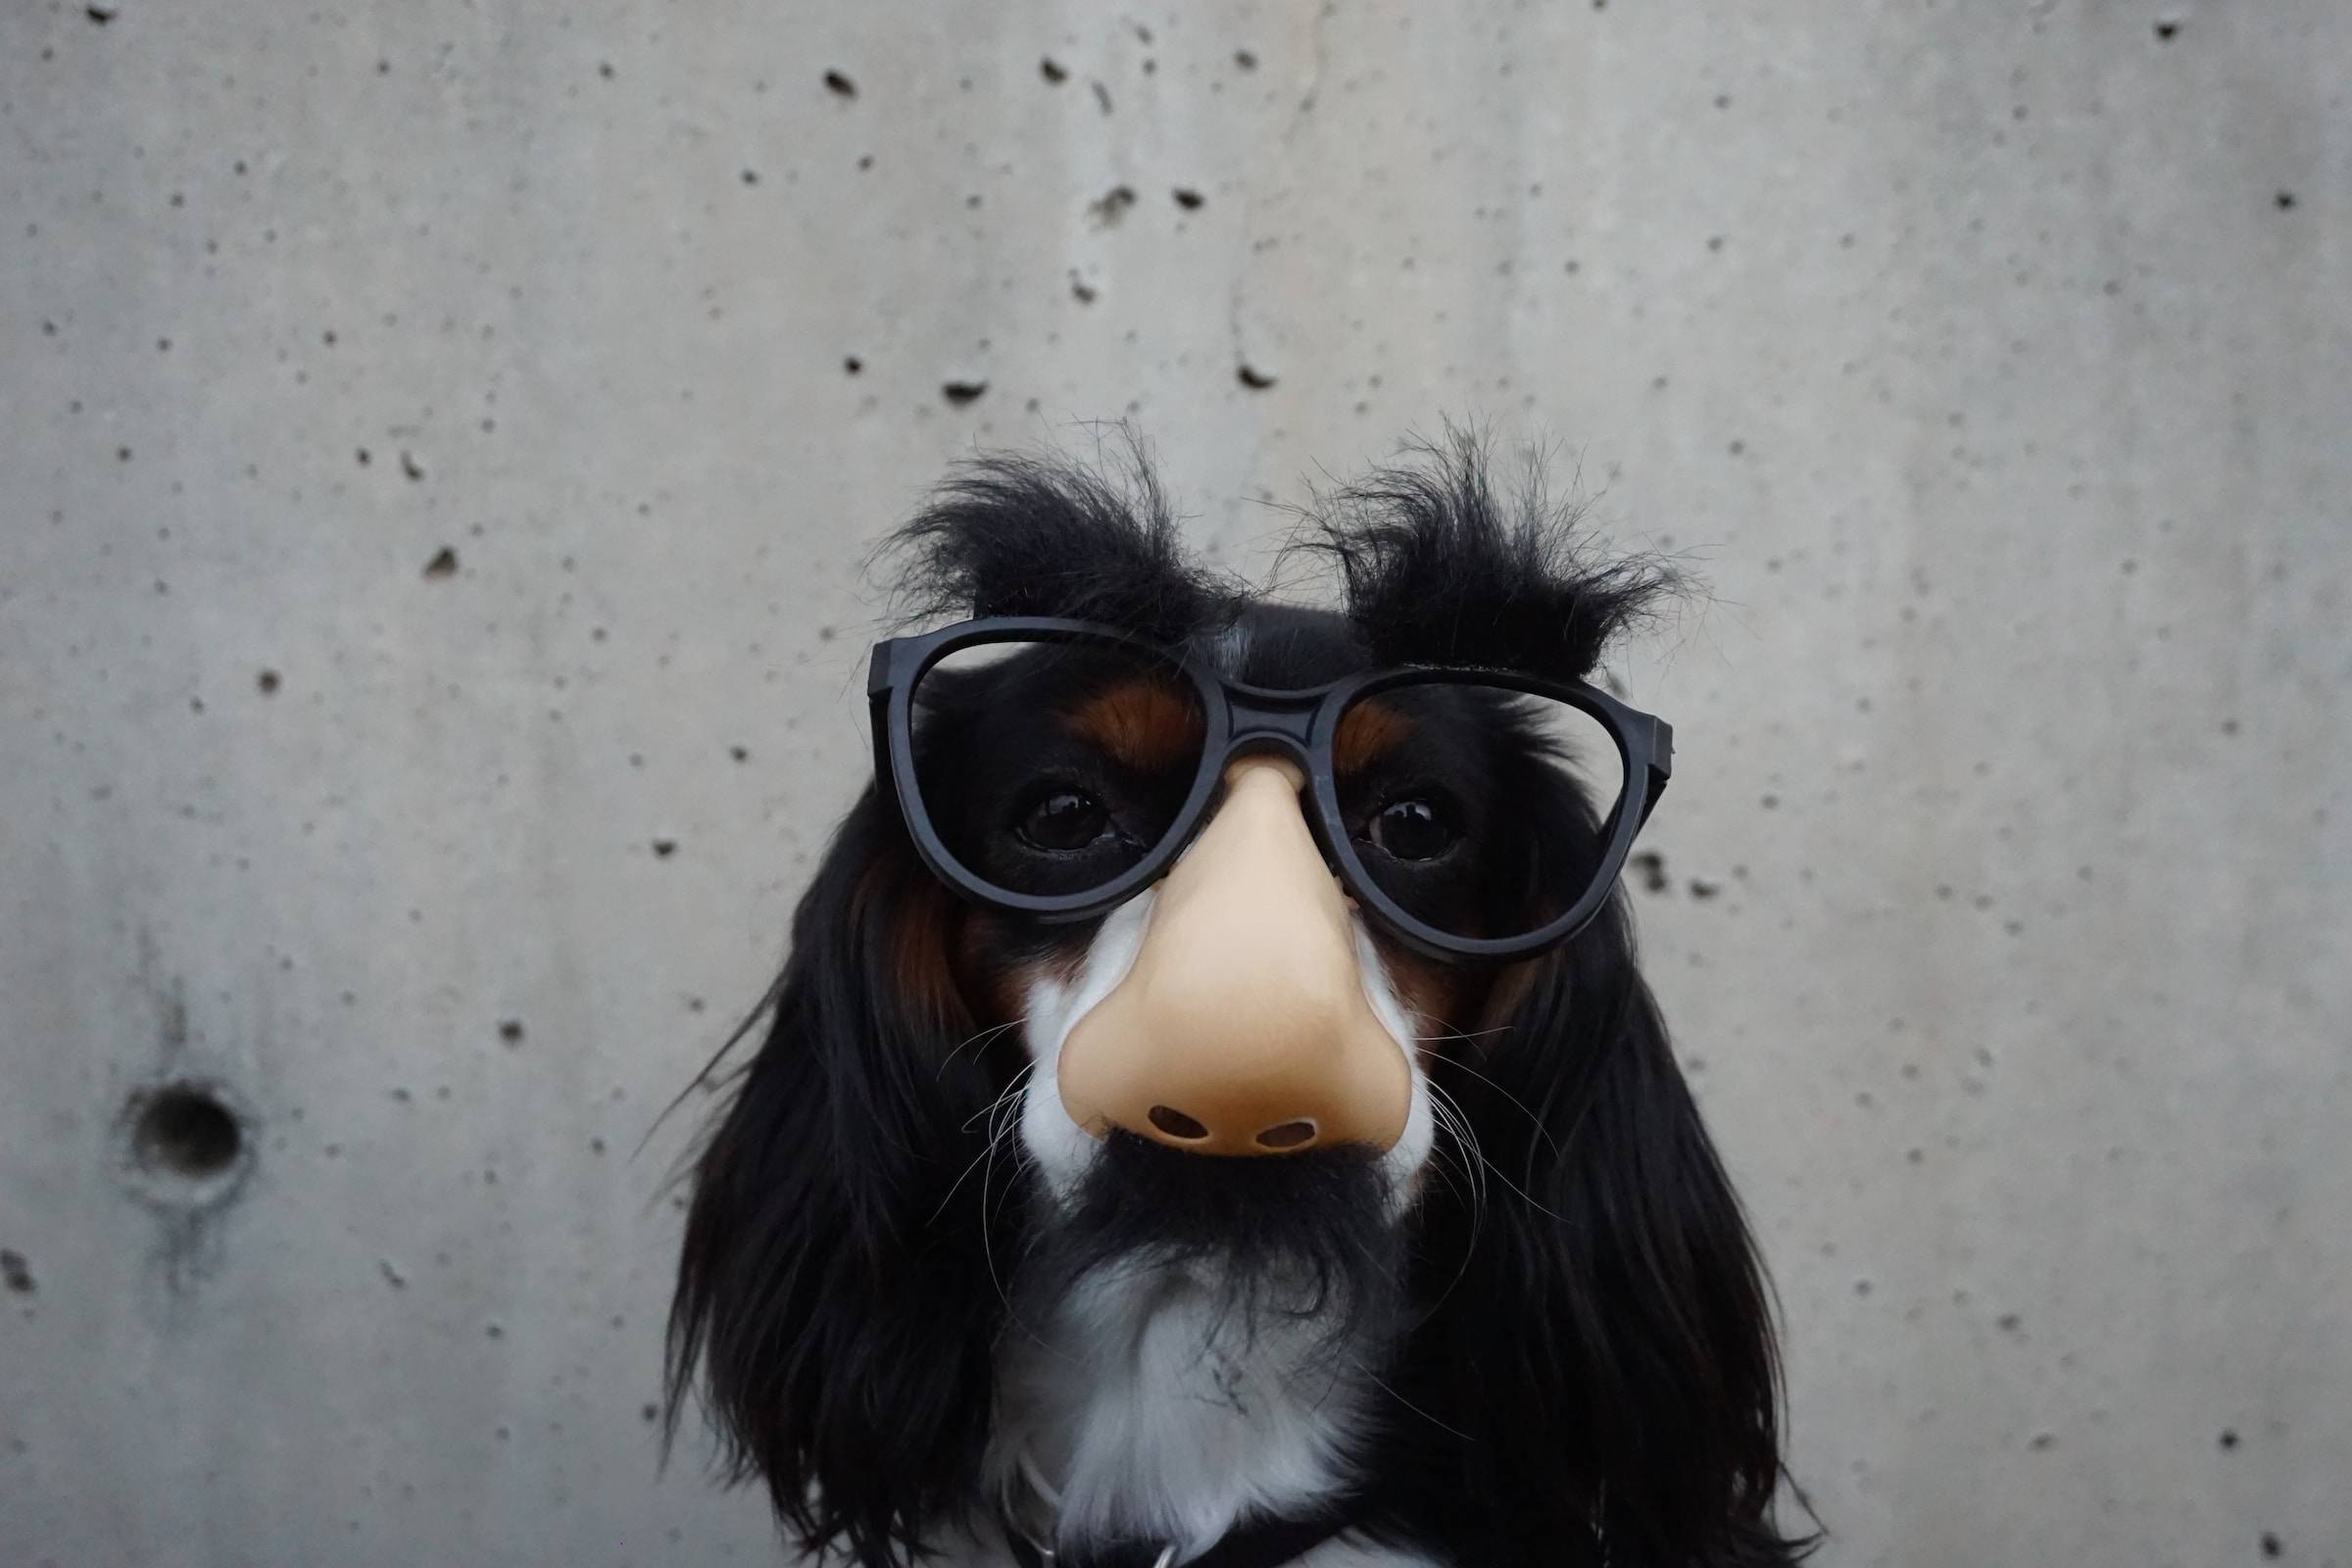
[1062, 820]
[1413, 830]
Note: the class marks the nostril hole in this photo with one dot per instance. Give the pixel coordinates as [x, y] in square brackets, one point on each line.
[1289, 1135]
[1176, 1125]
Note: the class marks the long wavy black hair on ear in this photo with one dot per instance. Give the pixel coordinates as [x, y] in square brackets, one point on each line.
[839, 1293]
[1599, 1362]
[1595, 1376]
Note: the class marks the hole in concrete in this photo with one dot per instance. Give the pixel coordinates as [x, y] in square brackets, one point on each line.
[182, 1130]
[1290, 1135]
[1176, 1125]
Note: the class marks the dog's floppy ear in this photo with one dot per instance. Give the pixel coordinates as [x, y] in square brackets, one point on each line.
[834, 1303]
[1607, 1344]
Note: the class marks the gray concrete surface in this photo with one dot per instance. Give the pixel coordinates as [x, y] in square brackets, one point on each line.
[1993, 360]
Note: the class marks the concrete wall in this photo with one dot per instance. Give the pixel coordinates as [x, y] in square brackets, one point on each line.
[436, 441]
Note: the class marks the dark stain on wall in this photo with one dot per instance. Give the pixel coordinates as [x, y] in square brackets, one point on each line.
[1111, 206]
[16, 1274]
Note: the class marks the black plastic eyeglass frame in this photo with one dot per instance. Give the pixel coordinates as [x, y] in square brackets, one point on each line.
[1241, 719]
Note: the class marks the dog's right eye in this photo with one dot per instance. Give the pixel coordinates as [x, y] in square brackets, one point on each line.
[1062, 820]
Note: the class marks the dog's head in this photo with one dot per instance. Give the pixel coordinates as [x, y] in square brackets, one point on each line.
[1195, 947]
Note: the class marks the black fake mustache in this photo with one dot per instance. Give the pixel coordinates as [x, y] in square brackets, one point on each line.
[1294, 1239]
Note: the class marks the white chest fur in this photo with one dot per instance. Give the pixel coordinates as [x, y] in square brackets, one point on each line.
[1146, 1412]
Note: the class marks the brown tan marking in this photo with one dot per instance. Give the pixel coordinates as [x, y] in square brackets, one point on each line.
[998, 984]
[919, 918]
[1367, 733]
[1430, 991]
[1147, 725]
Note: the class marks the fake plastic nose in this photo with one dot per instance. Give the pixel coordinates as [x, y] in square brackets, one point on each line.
[1242, 1027]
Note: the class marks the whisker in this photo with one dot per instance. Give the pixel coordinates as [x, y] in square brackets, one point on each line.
[1525, 1196]
[1475, 1034]
[993, 1107]
[1466, 1155]
[995, 1133]
[1009, 1100]
[1448, 1113]
[989, 1033]
[1520, 1105]
[1385, 1388]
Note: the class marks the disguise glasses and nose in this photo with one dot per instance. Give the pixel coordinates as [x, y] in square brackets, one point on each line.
[1439, 796]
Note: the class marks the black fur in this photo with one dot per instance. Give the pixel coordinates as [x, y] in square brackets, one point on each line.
[1601, 1346]
[1294, 1240]
[1583, 1329]
[1011, 535]
[1441, 570]
[834, 1288]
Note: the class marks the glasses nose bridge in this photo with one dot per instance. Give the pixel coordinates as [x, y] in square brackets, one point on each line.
[1263, 722]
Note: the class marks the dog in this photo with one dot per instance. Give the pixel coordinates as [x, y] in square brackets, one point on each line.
[1211, 1112]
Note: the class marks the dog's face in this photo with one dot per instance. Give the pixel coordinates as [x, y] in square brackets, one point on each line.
[1189, 1201]
[1241, 1006]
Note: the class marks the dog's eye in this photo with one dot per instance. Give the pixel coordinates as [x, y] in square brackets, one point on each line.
[1413, 830]
[1062, 820]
